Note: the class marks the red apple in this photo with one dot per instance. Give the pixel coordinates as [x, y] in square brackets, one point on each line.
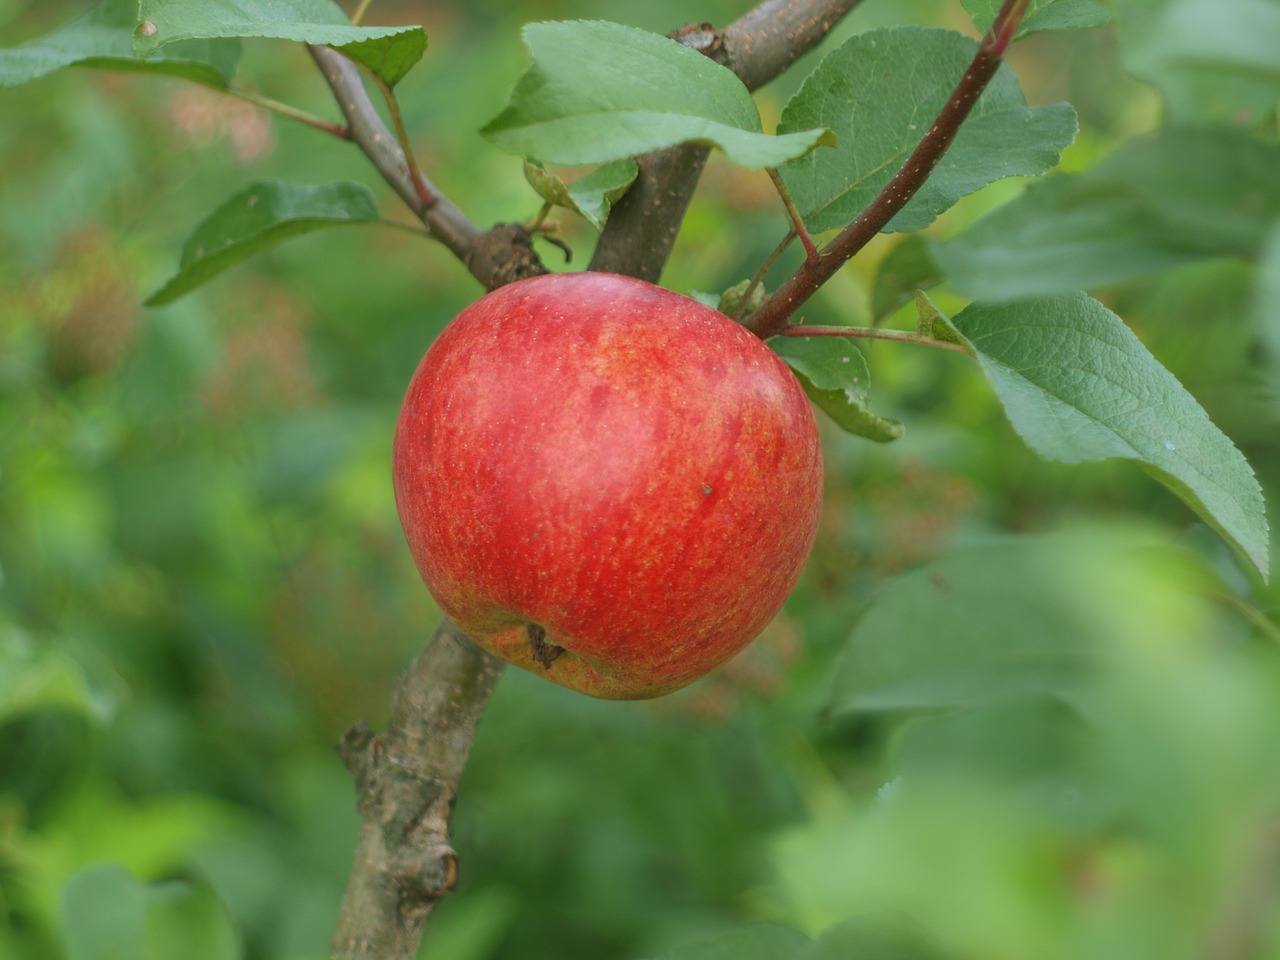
[605, 482]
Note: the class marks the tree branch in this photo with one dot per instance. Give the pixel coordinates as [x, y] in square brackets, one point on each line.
[773, 316]
[495, 256]
[772, 35]
[406, 779]
[642, 226]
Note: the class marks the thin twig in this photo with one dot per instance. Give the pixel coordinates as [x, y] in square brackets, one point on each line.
[360, 10]
[773, 316]
[869, 333]
[289, 112]
[758, 277]
[798, 228]
[425, 196]
[1255, 617]
[404, 227]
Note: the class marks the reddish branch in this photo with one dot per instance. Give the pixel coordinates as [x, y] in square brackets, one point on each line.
[773, 317]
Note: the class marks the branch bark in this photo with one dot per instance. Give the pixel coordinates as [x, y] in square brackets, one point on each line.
[494, 257]
[406, 780]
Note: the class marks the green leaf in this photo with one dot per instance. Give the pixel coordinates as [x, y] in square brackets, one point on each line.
[987, 623]
[876, 937]
[1042, 15]
[834, 374]
[104, 915]
[933, 323]
[389, 55]
[549, 186]
[34, 680]
[594, 195]
[188, 921]
[1020, 742]
[1268, 305]
[741, 299]
[1212, 60]
[1175, 198]
[859, 92]
[475, 927]
[597, 92]
[1077, 385]
[964, 860]
[265, 214]
[908, 267]
[763, 941]
[859, 939]
[955, 633]
[103, 38]
[108, 914]
[591, 196]
[387, 51]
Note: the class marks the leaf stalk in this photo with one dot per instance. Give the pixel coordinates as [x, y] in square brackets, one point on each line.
[798, 228]
[425, 196]
[869, 333]
[360, 11]
[289, 112]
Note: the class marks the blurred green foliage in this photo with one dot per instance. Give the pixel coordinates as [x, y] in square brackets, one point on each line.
[204, 581]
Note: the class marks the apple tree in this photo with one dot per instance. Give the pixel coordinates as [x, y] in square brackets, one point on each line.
[1034, 709]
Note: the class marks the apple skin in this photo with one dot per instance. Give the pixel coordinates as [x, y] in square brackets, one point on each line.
[605, 482]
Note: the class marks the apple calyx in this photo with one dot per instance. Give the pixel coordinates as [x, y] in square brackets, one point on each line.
[543, 651]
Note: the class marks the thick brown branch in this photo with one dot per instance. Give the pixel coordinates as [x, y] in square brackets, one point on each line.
[773, 34]
[494, 257]
[406, 779]
[773, 317]
[643, 225]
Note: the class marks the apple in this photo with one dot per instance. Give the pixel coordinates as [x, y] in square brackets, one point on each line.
[606, 482]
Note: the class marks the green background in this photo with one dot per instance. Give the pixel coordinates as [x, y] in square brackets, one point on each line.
[204, 581]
